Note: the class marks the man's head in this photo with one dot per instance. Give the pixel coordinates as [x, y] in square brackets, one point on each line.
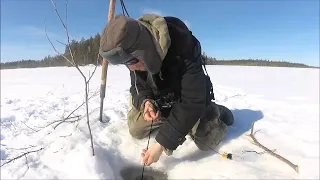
[126, 41]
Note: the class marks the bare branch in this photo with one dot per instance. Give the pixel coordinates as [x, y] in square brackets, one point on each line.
[64, 121]
[77, 67]
[87, 110]
[33, 151]
[66, 11]
[45, 27]
[61, 43]
[91, 138]
[57, 121]
[66, 135]
[95, 68]
[27, 163]
[256, 142]
[260, 153]
[21, 155]
[61, 121]
[67, 33]
[55, 8]
[24, 148]
[30, 127]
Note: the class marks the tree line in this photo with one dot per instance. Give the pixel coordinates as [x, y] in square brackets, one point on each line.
[253, 62]
[86, 51]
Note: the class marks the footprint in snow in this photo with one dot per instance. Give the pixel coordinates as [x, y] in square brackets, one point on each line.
[120, 114]
[7, 121]
[30, 113]
[3, 155]
[9, 101]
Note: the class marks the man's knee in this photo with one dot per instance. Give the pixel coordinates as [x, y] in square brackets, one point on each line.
[137, 133]
[134, 124]
[209, 134]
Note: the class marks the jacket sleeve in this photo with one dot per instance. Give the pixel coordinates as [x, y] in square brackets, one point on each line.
[144, 92]
[188, 110]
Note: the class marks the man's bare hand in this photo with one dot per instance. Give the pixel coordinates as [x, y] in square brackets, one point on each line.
[151, 155]
[150, 112]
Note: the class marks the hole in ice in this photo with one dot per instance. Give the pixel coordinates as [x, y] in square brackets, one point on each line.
[149, 173]
[105, 118]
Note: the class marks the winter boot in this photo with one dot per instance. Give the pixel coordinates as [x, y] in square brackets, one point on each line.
[210, 130]
[225, 115]
[215, 111]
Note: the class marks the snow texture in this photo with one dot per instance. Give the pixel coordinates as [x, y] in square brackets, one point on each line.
[284, 103]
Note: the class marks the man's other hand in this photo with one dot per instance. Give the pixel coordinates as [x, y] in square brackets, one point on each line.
[151, 155]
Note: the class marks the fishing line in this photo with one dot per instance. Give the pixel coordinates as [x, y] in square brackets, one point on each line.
[144, 164]
[224, 155]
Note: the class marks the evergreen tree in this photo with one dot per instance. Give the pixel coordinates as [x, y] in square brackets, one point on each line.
[86, 52]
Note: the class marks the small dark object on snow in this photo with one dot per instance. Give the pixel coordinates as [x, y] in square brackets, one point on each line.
[229, 156]
[134, 173]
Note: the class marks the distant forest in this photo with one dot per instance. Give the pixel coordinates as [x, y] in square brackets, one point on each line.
[86, 50]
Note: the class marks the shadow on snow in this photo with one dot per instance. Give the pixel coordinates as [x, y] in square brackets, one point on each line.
[243, 119]
[110, 162]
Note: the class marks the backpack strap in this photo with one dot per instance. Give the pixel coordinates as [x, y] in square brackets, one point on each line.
[199, 57]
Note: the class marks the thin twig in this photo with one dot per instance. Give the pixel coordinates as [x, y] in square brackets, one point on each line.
[27, 163]
[88, 121]
[66, 12]
[21, 155]
[29, 127]
[24, 148]
[95, 93]
[58, 121]
[77, 67]
[33, 151]
[64, 121]
[260, 153]
[54, 48]
[61, 42]
[95, 68]
[256, 142]
[66, 135]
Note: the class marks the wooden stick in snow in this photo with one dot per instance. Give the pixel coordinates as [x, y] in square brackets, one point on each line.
[256, 142]
[105, 64]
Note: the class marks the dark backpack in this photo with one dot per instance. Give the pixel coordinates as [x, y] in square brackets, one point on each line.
[197, 50]
[209, 90]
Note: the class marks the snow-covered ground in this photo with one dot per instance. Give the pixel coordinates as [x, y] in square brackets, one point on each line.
[284, 103]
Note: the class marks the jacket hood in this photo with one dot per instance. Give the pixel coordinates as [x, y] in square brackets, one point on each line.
[157, 26]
